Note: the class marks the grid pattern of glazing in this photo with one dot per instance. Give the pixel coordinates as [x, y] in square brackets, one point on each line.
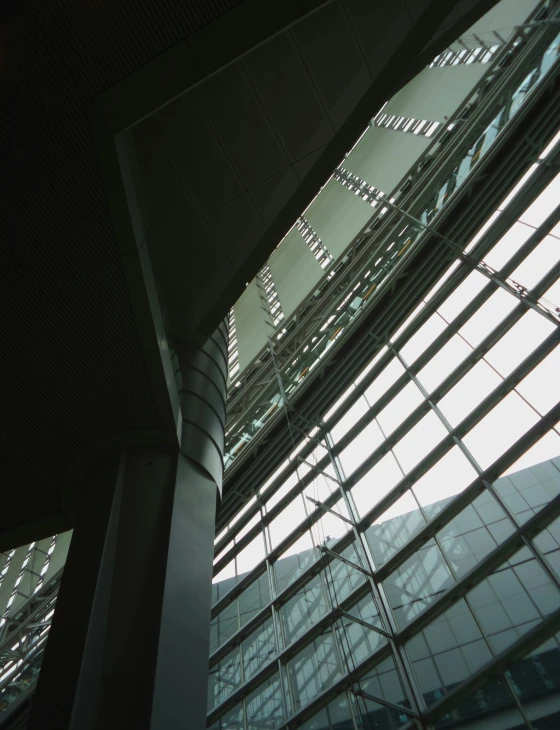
[458, 149]
[392, 525]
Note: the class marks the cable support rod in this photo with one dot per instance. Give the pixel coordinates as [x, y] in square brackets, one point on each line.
[328, 509]
[366, 624]
[365, 571]
[386, 703]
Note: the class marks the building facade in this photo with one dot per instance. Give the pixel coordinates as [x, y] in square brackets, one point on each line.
[387, 540]
[334, 622]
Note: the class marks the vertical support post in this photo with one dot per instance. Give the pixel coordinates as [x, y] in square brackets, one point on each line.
[129, 643]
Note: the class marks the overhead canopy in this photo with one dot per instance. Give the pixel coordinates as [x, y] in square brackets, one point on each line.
[436, 92]
[295, 270]
[503, 18]
[383, 156]
[250, 325]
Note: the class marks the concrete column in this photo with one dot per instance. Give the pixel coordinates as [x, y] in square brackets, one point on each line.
[129, 643]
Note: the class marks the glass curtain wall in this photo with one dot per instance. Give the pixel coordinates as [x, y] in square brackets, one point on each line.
[402, 566]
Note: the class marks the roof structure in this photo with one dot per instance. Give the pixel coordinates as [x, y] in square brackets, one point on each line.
[87, 367]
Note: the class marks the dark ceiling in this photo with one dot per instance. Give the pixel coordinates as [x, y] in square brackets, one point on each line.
[73, 368]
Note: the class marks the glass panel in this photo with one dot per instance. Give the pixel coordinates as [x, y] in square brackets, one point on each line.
[338, 403]
[508, 245]
[290, 517]
[492, 706]
[352, 416]
[463, 294]
[541, 208]
[376, 484]
[536, 681]
[224, 678]
[500, 429]
[330, 527]
[254, 598]
[471, 390]
[419, 441]
[399, 408]
[527, 491]
[417, 583]
[513, 599]
[382, 682]
[258, 649]
[394, 528]
[357, 641]
[265, 707]
[444, 362]
[282, 491]
[303, 610]
[538, 263]
[336, 716]
[313, 669]
[370, 365]
[224, 581]
[361, 447]
[524, 337]
[488, 316]
[452, 473]
[322, 486]
[541, 387]
[294, 561]
[250, 556]
[447, 652]
[423, 338]
[232, 720]
[384, 380]
[545, 449]
[474, 533]
[340, 578]
[224, 626]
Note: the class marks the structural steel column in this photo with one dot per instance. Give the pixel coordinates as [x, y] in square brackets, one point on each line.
[129, 643]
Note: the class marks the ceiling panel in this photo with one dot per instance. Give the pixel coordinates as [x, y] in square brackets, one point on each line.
[198, 156]
[237, 227]
[337, 216]
[250, 325]
[383, 156]
[200, 260]
[236, 116]
[329, 47]
[436, 92]
[379, 27]
[272, 194]
[296, 272]
[279, 76]
[163, 202]
[303, 166]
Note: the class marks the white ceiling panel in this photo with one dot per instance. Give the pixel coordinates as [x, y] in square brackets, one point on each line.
[250, 325]
[436, 92]
[296, 272]
[337, 216]
[383, 156]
